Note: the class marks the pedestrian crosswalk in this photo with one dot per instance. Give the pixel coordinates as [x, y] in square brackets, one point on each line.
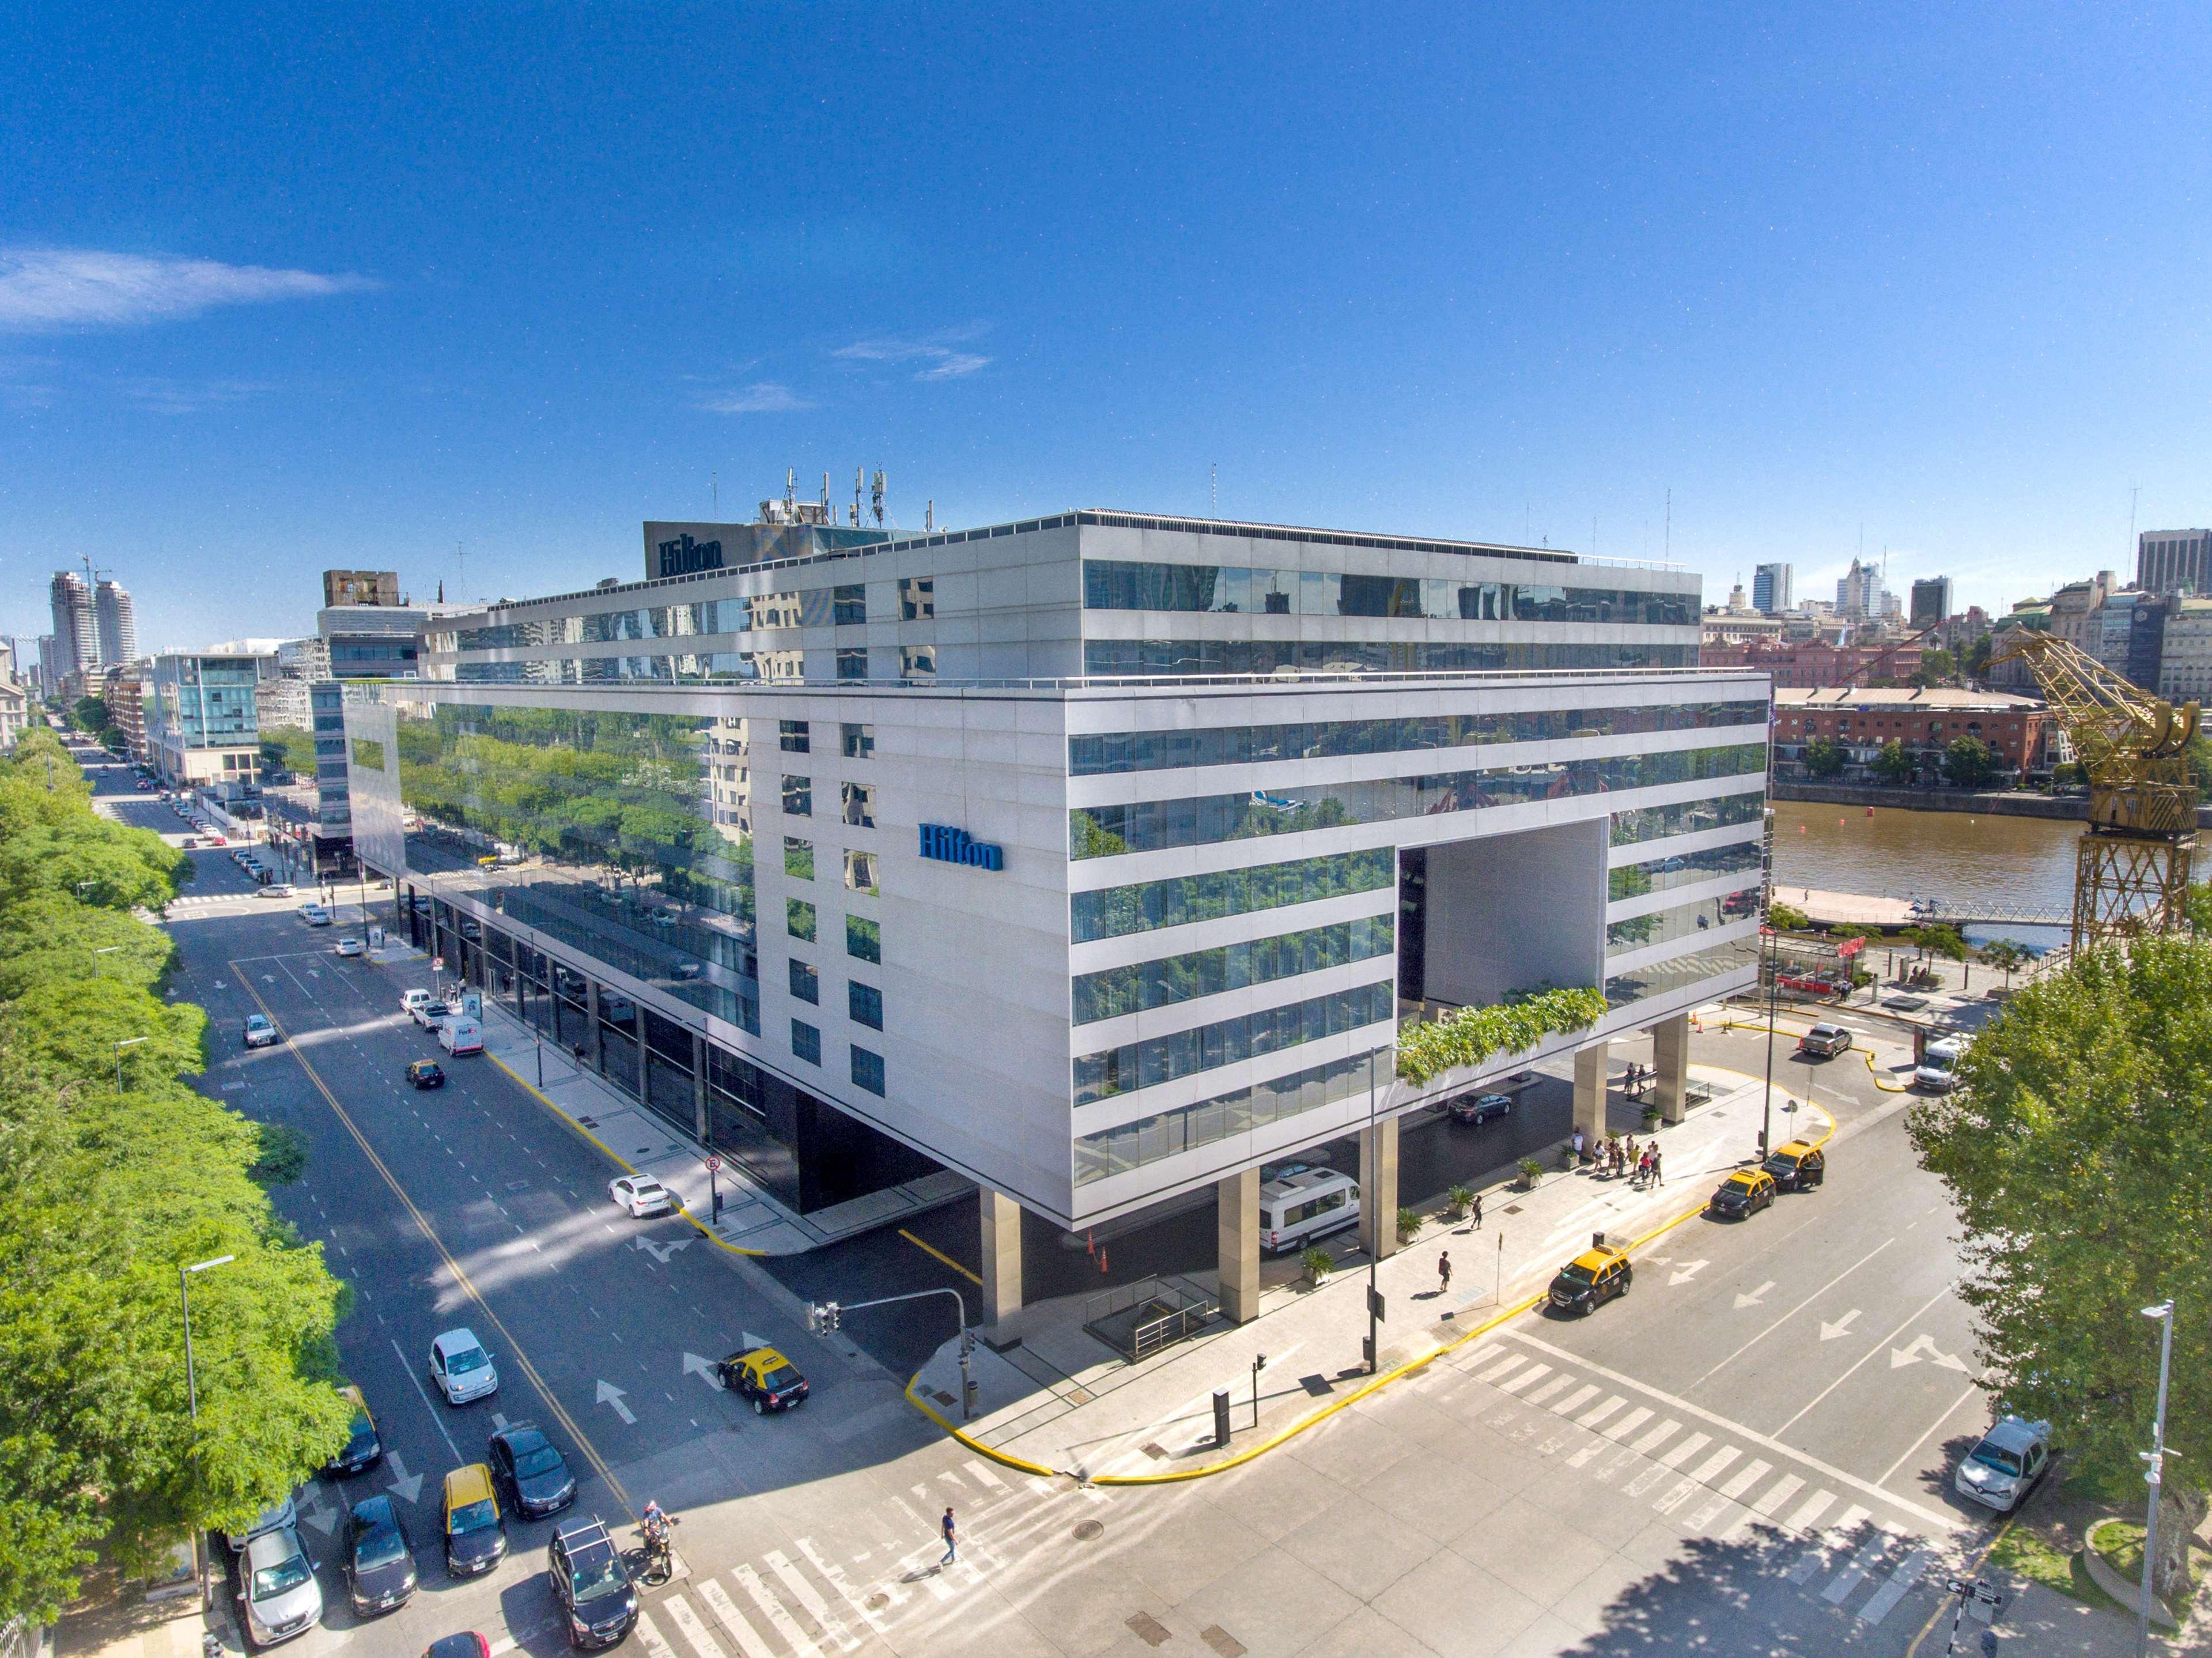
[1695, 1476]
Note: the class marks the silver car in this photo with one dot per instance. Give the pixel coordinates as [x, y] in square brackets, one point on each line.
[279, 1592]
[2001, 1470]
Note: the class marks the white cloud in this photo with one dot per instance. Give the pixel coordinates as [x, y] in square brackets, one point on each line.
[43, 290]
[934, 352]
[179, 397]
[762, 397]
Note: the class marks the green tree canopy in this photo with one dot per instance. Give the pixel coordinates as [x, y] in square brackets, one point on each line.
[1824, 756]
[1893, 766]
[288, 748]
[89, 714]
[1969, 762]
[2074, 1152]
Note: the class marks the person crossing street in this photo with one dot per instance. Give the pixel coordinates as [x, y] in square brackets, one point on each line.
[952, 1540]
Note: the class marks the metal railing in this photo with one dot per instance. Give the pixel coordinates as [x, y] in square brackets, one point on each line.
[1139, 1319]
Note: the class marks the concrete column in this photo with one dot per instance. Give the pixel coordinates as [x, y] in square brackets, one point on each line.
[1239, 1245]
[1002, 1256]
[592, 1038]
[1378, 1189]
[1670, 1059]
[1589, 1091]
[699, 1086]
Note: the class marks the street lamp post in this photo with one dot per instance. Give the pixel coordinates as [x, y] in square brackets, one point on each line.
[1374, 1229]
[2156, 1458]
[1773, 975]
[192, 1399]
[127, 1042]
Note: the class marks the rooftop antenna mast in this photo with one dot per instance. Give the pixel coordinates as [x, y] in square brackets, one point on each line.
[859, 481]
[790, 493]
[828, 516]
[875, 495]
[714, 493]
[1213, 490]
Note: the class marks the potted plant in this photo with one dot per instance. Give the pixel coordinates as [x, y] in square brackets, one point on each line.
[1531, 1172]
[1652, 1119]
[1457, 1201]
[1319, 1263]
[1409, 1225]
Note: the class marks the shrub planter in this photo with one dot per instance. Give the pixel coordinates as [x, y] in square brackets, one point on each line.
[2121, 1535]
[1409, 1226]
[1458, 1202]
[1319, 1263]
[1532, 1172]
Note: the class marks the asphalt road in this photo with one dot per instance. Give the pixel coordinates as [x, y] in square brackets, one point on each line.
[1546, 1491]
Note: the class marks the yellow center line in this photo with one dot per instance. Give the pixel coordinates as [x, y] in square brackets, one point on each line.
[460, 1277]
[931, 1249]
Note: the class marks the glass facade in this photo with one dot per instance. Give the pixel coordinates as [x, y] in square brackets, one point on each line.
[1239, 745]
[864, 1005]
[863, 939]
[806, 1042]
[1115, 584]
[1240, 658]
[1661, 977]
[1174, 978]
[1113, 911]
[1644, 823]
[868, 1071]
[1683, 870]
[1169, 1133]
[1683, 921]
[1156, 1060]
[1148, 825]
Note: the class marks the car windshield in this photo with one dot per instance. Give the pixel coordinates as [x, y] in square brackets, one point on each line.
[1574, 1272]
[479, 1516]
[287, 1574]
[1990, 1456]
[780, 1377]
[595, 1572]
[382, 1546]
[468, 1358]
[1782, 1163]
[541, 1459]
[363, 1434]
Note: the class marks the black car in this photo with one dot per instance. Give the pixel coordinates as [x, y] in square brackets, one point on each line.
[536, 1475]
[379, 1565]
[362, 1449]
[1591, 1279]
[1797, 1167]
[591, 1585]
[425, 1074]
[1478, 1108]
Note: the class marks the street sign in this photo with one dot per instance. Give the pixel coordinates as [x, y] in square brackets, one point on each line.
[1375, 1305]
[714, 1164]
[438, 963]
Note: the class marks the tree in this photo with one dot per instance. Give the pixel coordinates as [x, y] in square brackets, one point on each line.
[1969, 763]
[1824, 756]
[1938, 939]
[288, 748]
[1784, 919]
[1937, 667]
[2005, 956]
[89, 714]
[2074, 1153]
[2199, 756]
[1893, 766]
[1978, 655]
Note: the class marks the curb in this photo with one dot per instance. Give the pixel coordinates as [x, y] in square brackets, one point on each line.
[615, 1157]
[1375, 1385]
[1866, 1054]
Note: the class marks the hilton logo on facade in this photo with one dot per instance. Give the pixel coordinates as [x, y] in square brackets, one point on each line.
[684, 556]
[948, 845]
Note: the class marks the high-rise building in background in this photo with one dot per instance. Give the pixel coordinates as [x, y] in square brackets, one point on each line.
[50, 665]
[1858, 594]
[2174, 561]
[76, 643]
[359, 587]
[1931, 600]
[115, 629]
[1771, 589]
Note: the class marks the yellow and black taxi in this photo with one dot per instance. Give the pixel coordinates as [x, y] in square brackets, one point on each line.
[425, 1074]
[362, 1447]
[1742, 1195]
[476, 1536]
[763, 1376]
[1592, 1278]
[1797, 1166]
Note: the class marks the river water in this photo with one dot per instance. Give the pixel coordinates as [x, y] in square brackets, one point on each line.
[1964, 860]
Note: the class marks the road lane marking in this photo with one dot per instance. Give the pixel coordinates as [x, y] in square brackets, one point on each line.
[1794, 1311]
[1511, 1361]
[1746, 1478]
[1839, 1589]
[436, 1420]
[1815, 1505]
[1936, 1517]
[809, 1597]
[1712, 1464]
[1884, 1599]
[1879, 1346]
[1516, 1383]
[1574, 1401]
[726, 1613]
[1658, 1436]
[648, 1631]
[1627, 1425]
[688, 1625]
[834, 1575]
[1972, 1391]
[1688, 1448]
[461, 1275]
[1553, 1388]
[1777, 1494]
[1591, 1417]
[773, 1609]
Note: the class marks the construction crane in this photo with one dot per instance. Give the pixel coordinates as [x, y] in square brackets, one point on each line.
[2131, 871]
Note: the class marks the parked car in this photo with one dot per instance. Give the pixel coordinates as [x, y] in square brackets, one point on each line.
[1743, 1194]
[270, 1519]
[279, 1593]
[2003, 1468]
[379, 1563]
[1797, 1166]
[410, 1000]
[277, 889]
[461, 1367]
[362, 1449]
[641, 1195]
[591, 1585]
[1297, 1209]
[1477, 1109]
[259, 1033]
[1824, 1041]
[537, 1477]
[1592, 1278]
[349, 947]
[315, 915]
[476, 1536]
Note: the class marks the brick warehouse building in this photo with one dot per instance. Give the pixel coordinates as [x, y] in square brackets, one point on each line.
[2020, 730]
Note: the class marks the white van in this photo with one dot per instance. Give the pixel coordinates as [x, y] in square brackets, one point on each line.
[1301, 1207]
[459, 1035]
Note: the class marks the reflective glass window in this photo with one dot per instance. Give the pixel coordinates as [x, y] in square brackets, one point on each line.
[917, 598]
[791, 736]
[852, 662]
[805, 982]
[860, 800]
[868, 1071]
[798, 918]
[806, 1042]
[849, 605]
[859, 742]
[797, 796]
[1153, 1060]
[861, 871]
[798, 858]
[1163, 982]
[863, 939]
[1683, 870]
[865, 1003]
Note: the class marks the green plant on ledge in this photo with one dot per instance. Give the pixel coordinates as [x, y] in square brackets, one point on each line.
[1318, 1263]
[1457, 1201]
[1409, 1225]
[1472, 1035]
[1531, 1172]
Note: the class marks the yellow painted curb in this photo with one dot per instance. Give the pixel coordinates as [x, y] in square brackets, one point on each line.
[1972, 1572]
[1373, 1386]
[931, 1249]
[613, 1156]
[1866, 1054]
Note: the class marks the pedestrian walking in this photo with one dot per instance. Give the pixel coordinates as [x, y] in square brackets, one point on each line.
[1578, 1146]
[1658, 1178]
[951, 1539]
[1443, 1273]
[1477, 1211]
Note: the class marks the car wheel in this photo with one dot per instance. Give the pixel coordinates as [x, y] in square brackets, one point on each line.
[760, 1408]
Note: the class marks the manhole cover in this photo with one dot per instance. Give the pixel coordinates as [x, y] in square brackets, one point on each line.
[877, 1601]
[1090, 1531]
[1512, 1208]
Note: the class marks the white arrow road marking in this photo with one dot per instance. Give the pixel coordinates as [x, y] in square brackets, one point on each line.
[220, 985]
[747, 1341]
[1922, 1346]
[498, 1422]
[1842, 1327]
[611, 1394]
[408, 1485]
[315, 972]
[1688, 1271]
[269, 978]
[695, 1366]
[322, 1519]
[660, 1252]
[1755, 1297]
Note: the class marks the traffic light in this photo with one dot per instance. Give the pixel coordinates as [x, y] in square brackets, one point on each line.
[831, 1311]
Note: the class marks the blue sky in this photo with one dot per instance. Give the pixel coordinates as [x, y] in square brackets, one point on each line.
[287, 288]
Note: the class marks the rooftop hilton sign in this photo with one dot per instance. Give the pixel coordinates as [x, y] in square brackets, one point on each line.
[684, 556]
[949, 845]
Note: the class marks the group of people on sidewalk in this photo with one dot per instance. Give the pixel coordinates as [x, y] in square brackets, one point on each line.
[1618, 1155]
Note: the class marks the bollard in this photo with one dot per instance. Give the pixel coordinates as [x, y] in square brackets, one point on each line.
[1220, 1416]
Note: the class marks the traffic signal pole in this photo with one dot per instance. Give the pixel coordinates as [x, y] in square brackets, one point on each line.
[822, 1316]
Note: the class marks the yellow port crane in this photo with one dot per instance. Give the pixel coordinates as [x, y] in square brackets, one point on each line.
[2131, 872]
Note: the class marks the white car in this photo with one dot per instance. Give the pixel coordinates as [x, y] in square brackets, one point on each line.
[279, 1593]
[315, 915]
[349, 947]
[276, 889]
[276, 1515]
[410, 1000]
[2001, 1470]
[259, 1033]
[643, 1195]
[461, 1367]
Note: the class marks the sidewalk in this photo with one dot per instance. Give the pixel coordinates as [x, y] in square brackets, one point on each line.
[643, 1142]
[1063, 1401]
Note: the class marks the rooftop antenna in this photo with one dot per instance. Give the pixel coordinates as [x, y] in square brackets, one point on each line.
[828, 516]
[929, 514]
[790, 492]
[875, 495]
[858, 479]
[714, 493]
[1213, 489]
